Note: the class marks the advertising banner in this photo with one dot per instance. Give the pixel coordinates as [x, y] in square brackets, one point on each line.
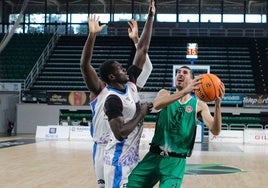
[80, 133]
[41, 132]
[255, 101]
[227, 136]
[10, 86]
[231, 100]
[256, 136]
[52, 132]
[74, 98]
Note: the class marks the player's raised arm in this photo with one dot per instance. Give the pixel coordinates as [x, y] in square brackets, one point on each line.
[147, 67]
[145, 38]
[90, 76]
[214, 122]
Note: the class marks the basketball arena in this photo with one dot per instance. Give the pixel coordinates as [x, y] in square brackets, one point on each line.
[41, 85]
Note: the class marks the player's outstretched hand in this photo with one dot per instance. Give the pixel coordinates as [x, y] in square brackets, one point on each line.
[222, 92]
[193, 84]
[93, 24]
[152, 8]
[133, 31]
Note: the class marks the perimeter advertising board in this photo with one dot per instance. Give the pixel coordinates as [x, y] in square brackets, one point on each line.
[255, 100]
[74, 98]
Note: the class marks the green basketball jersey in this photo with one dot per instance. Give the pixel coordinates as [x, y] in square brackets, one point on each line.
[176, 127]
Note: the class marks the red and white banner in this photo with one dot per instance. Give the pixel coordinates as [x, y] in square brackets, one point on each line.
[227, 136]
[255, 136]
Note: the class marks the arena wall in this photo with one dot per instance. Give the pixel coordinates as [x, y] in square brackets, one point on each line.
[31, 115]
[28, 115]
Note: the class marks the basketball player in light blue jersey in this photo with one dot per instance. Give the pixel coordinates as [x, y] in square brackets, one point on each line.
[138, 72]
[125, 115]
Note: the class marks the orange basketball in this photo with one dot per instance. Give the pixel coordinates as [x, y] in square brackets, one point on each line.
[209, 88]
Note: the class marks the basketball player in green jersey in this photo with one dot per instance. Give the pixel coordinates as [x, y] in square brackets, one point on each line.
[174, 135]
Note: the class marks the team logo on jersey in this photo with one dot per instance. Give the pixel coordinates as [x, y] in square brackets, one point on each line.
[189, 109]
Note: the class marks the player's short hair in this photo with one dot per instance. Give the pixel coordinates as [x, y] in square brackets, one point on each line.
[191, 71]
[105, 69]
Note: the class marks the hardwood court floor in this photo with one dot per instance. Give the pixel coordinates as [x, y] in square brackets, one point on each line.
[68, 164]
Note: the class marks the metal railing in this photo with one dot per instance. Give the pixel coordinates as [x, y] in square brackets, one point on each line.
[40, 62]
[197, 30]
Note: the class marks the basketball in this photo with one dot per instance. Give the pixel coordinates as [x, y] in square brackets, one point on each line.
[209, 88]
